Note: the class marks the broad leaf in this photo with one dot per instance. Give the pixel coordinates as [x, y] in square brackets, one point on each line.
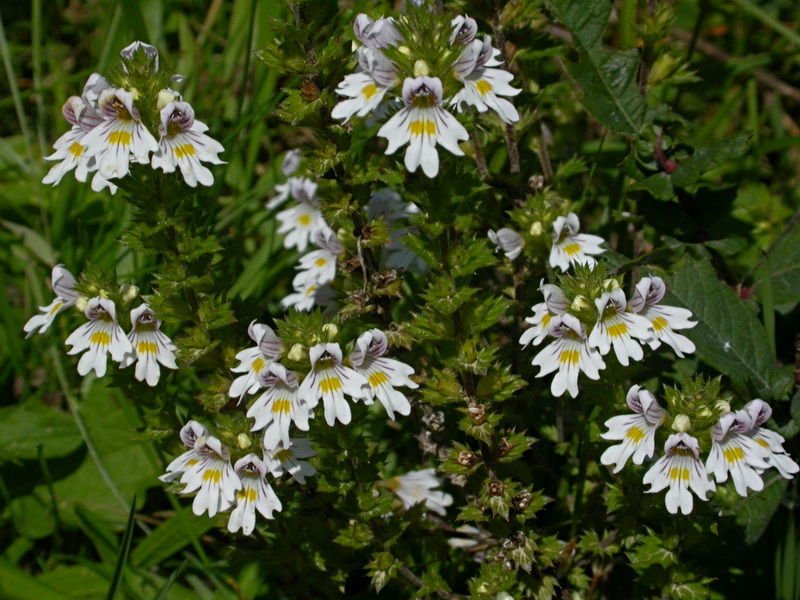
[708, 159]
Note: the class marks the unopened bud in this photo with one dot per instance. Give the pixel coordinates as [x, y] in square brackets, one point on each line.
[610, 284]
[331, 331]
[129, 292]
[705, 412]
[682, 424]
[135, 93]
[81, 303]
[580, 303]
[723, 406]
[165, 96]
[521, 501]
[421, 69]
[243, 441]
[537, 229]
[504, 596]
[102, 293]
[404, 50]
[297, 353]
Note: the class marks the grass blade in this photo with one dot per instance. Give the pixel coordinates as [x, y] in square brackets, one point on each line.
[124, 549]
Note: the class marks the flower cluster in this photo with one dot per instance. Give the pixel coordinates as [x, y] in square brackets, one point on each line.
[447, 66]
[591, 315]
[108, 132]
[739, 447]
[146, 344]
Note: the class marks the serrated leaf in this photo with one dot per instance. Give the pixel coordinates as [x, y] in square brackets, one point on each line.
[652, 551]
[471, 512]
[467, 259]
[426, 249]
[728, 336]
[659, 186]
[381, 568]
[608, 79]
[708, 159]
[355, 535]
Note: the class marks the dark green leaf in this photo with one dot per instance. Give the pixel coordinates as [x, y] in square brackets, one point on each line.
[708, 159]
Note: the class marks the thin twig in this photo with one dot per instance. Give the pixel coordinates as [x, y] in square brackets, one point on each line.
[511, 141]
[480, 159]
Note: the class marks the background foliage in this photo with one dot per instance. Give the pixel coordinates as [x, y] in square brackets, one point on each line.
[722, 224]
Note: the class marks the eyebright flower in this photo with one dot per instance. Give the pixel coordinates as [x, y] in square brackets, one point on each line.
[637, 432]
[213, 478]
[366, 89]
[151, 52]
[189, 435]
[287, 459]
[507, 240]
[483, 86]
[256, 493]
[571, 247]
[307, 295]
[69, 148]
[732, 450]
[418, 486]
[680, 469]
[664, 319]
[253, 360]
[330, 380]
[301, 189]
[101, 335]
[299, 223]
[184, 144]
[319, 266]
[760, 412]
[291, 162]
[376, 34]
[63, 284]
[150, 346]
[464, 30]
[382, 374]
[617, 327]
[569, 354]
[120, 135]
[422, 124]
[555, 304]
[278, 406]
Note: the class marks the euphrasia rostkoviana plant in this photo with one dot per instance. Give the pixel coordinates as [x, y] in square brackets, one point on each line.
[396, 352]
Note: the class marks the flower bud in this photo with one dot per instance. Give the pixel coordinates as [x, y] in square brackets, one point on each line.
[682, 424]
[466, 458]
[129, 292]
[477, 413]
[243, 441]
[723, 406]
[331, 331]
[537, 229]
[610, 284]
[81, 303]
[297, 353]
[421, 69]
[580, 303]
[165, 96]
[404, 50]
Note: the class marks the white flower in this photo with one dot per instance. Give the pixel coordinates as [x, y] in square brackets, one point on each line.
[569, 354]
[571, 247]
[256, 493]
[681, 469]
[422, 124]
[189, 435]
[376, 34]
[330, 380]
[308, 295]
[507, 240]
[418, 486]
[483, 86]
[387, 204]
[151, 52]
[366, 89]
[286, 459]
[382, 374]
[301, 189]
[464, 30]
[300, 222]
[100, 335]
[278, 406]
[150, 346]
[616, 327]
[63, 284]
[69, 148]
[253, 360]
[319, 266]
[760, 412]
[665, 319]
[213, 476]
[733, 450]
[637, 431]
[120, 135]
[555, 303]
[184, 144]
[291, 162]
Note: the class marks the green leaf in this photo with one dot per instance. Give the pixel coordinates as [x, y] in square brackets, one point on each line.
[608, 79]
[728, 336]
[708, 159]
[755, 512]
[355, 535]
[15, 584]
[122, 555]
[784, 262]
[653, 551]
[170, 537]
[381, 568]
[659, 186]
[26, 427]
[33, 242]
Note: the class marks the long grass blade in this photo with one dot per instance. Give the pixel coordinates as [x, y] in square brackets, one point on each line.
[124, 549]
